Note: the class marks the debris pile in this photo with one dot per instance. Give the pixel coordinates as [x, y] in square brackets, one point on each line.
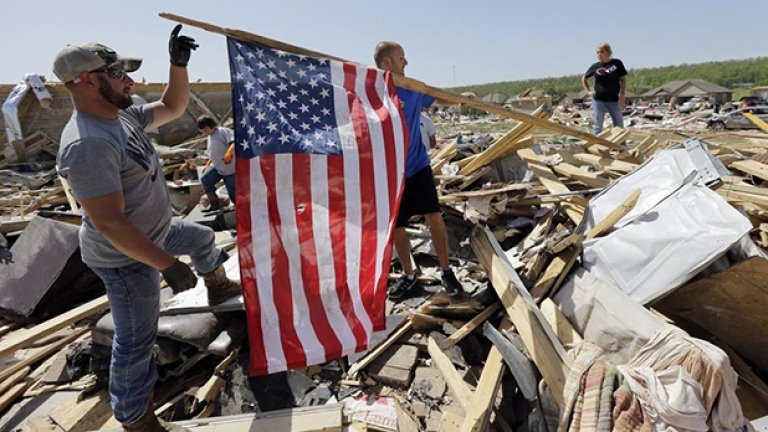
[611, 286]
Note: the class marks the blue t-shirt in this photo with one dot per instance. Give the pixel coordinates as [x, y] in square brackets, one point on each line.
[413, 102]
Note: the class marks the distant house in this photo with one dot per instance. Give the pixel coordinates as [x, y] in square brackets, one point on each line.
[496, 98]
[683, 90]
[528, 100]
[575, 98]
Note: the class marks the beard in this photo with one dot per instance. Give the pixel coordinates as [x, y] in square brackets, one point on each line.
[117, 99]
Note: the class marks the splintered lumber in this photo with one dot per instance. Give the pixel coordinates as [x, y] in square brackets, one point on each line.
[503, 145]
[209, 391]
[481, 403]
[561, 264]
[85, 414]
[736, 193]
[614, 216]
[400, 81]
[590, 179]
[360, 364]
[470, 326]
[567, 335]
[752, 167]
[42, 353]
[555, 186]
[452, 378]
[25, 338]
[757, 121]
[460, 196]
[538, 337]
[480, 406]
[605, 163]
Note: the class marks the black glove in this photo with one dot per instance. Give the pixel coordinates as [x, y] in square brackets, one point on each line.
[180, 47]
[6, 257]
[179, 277]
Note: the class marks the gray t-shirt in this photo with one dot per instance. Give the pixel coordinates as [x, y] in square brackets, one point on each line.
[218, 144]
[99, 157]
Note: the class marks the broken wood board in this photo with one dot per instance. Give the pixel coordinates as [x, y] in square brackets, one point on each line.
[602, 162]
[539, 338]
[752, 167]
[591, 179]
[86, 414]
[42, 353]
[402, 329]
[731, 305]
[567, 335]
[480, 406]
[24, 338]
[470, 326]
[555, 186]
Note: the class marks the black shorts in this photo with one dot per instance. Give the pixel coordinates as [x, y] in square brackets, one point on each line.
[419, 196]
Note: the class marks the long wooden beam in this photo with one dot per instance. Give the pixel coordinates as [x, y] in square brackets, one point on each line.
[539, 338]
[400, 81]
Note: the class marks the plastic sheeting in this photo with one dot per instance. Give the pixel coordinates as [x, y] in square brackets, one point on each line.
[11, 104]
[658, 177]
[668, 244]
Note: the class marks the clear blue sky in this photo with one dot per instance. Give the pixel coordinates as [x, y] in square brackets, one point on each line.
[486, 41]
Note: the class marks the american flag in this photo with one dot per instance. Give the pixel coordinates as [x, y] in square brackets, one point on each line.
[321, 148]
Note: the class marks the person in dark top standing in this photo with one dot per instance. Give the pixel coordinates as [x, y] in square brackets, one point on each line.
[419, 195]
[610, 87]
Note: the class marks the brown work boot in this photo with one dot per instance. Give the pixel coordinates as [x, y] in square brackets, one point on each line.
[150, 423]
[220, 287]
[213, 200]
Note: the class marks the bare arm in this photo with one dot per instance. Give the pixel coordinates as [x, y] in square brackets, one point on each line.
[585, 83]
[622, 89]
[432, 141]
[175, 98]
[106, 213]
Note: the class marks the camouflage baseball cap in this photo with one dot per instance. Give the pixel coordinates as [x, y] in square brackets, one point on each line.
[74, 59]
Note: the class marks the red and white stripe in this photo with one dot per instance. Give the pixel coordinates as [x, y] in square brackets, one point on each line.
[315, 231]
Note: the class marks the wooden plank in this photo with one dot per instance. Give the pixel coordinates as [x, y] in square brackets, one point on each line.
[567, 335]
[25, 338]
[373, 354]
[590, 179]
[470, 326]
[752, 167]
[601, 162]
[12, 380]
[757, 121]
[615, 215]
[86, 414]
[42, 353]
[479, 407]
[730, 305]
[539, 338]
[455, 382]
[401, 81]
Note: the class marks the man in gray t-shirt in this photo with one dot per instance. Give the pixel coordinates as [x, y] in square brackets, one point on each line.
[128, 236]
[220, 166]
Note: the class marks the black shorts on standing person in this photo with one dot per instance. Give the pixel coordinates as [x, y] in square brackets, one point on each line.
[419, 196]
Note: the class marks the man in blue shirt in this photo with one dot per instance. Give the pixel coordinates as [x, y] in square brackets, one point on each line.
[420, 195]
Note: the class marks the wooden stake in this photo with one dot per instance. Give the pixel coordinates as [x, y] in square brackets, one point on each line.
[400, 81]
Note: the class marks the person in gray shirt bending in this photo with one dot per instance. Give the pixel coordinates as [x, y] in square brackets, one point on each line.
[220, 166]
[128, 236]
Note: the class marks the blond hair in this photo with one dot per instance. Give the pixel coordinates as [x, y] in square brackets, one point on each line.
[383, 50]
[605, 47]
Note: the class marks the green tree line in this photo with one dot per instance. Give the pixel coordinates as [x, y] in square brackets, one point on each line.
[730, 73]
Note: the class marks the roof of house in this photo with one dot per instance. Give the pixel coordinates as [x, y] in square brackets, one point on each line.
[685, 88]
[496, 98]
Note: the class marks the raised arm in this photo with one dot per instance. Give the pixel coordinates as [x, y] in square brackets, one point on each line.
[175, 98]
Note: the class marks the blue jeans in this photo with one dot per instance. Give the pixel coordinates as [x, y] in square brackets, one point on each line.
[134, 299]
[211, 177]
[598, 115]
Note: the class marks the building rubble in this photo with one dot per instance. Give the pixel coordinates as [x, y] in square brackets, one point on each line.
[607, 287]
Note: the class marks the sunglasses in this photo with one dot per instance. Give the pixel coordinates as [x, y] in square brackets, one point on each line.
[115, 73]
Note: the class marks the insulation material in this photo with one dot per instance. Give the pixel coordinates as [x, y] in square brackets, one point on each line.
[668, 245]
